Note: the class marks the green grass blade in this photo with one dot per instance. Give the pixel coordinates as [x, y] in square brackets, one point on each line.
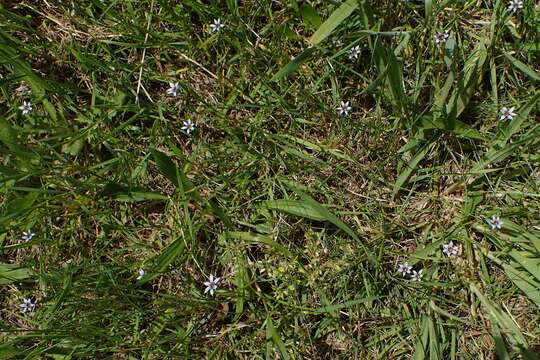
[461, 96]
[506, 323]
[10, 273]
[131, 194]
[253, 238]
[411, 166]
[524, 282]
[166, 258]
[21, 69]
[395, 79]
[294, 64]
[528, 262]
[524, 68]
[344, 305]
[515, 124]
[310, 16]
[324, 213]
[168, 168]
[271, 334]
[337, 17]
[500, 345]
[421, 346]
[294, 207]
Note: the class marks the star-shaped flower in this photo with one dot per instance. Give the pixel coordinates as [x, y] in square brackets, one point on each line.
[506, 113]
[404, 269]
[189, 127]
[27, 305]
[211, 285]
[173, 88]
[417, 275]
[337, 43]
[451, 249]
[515, 5]
[495, 222]
[141, 274]
[217, 25]
[26, 107]
[344, 108]
[354, 53]
[27, 235]
[441, 37]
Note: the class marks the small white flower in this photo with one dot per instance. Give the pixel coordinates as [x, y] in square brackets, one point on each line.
[141, 274]
[451, 249]
[217, 25]
[354, 52]
[337, 43]
[189, 126]
[27, 306]
[515, 6]
[441, 37]
[404, 269]
[506, 113]
[495, 222]
[211, 285]
[417, 275]
[172, 90]
[26, 107]
[27, 235]
[344, 108]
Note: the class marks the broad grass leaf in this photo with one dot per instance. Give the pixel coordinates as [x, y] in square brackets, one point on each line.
[395, 79]
[8, 351]
[505, 322]
[411, 166]
[467, 85]
[10, 273]
[428, 9]
[50, 109]
[460, 128]
[500, 345]
[166, 258]
[271, 334]
[168, 168]
[73, 147]
[310, 16]
[294, 207]
[434, 341]
[344, 305]
[9, 56]
[20, 204]
[524, 68]
[8, 136]
[421, 346]
[293, 65]
[254, 238]
[524, 282]
[131, 194]
[337, 17]
[312, 146]
[326, 214]
[515, 124]
[240, 281]
[442, 94]
[528, 262]
[493, 155]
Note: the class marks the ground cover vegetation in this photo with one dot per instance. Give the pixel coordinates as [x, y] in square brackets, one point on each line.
[254, 179]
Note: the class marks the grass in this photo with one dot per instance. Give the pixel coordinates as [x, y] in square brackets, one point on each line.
[303, 214]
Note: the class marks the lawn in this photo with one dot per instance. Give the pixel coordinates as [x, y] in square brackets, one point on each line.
[341, 179]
